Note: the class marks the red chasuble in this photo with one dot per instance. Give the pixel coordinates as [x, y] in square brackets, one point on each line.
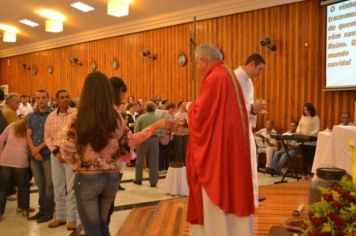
[218, 154]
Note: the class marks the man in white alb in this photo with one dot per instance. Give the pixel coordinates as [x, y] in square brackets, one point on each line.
[252, 68]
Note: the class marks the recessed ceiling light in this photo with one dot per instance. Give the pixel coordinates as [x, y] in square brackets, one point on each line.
[29, 22]
[82, 6]
[8, 28]
[51, 14]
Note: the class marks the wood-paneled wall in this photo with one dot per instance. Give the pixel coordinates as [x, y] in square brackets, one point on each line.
[295, 73]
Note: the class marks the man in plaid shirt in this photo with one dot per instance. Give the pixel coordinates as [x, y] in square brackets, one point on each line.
[62, 173]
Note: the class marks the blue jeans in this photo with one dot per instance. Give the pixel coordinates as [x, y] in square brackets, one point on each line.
[280, 158]
[94, 194]
[21, 176]
[42, 173]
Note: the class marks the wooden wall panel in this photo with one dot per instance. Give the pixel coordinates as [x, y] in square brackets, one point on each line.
[295, 73]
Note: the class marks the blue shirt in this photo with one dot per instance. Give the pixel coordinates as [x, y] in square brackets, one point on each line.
[36, 122]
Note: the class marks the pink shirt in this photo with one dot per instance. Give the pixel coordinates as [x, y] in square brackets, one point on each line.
[54, 127]
[15, 152]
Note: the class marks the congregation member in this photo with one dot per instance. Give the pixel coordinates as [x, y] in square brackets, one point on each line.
[119, 91]
[165, 139]
[62, 173]
[94, 157]
[40, 157]
[2, 119]
[31, 101]
[24, 107]
[130, 99]
[309, 124]
[140, 107]
[345, 119]
[14, 163]
[253, 67]
[131, 115]
[280, 157]
[218, 160]
[9, 111]
[266, 144]
[160, 108]
[149, 148]
[181, 134]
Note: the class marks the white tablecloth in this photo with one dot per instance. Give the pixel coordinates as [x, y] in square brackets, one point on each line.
[332, 149]
[176, 181]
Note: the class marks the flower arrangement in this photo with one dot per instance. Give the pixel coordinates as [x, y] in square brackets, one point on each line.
[334, 214]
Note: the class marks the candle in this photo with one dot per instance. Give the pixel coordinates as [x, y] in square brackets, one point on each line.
[352, 144]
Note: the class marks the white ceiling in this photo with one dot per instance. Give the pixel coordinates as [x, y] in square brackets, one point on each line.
[80, 26]
[11, 11]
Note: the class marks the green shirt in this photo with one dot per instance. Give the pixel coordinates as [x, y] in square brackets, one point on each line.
[145, 120]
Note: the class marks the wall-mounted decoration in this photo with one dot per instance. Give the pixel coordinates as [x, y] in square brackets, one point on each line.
[149, 55]
[92, 66]
[266, 42]
[25, 66]
[115, 64]
[182, 59]
[34, 70]
[50, 69]
[75, 61]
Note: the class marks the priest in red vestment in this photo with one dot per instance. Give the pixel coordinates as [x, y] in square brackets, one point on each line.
[218, 154]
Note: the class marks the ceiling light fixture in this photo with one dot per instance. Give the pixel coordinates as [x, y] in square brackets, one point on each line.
[118, 8]
[82, 6]
[54, 22]
[29, 23]
[9, 37]
[9, 34]
[54, 26]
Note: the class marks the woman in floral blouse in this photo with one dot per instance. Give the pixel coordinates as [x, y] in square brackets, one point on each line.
[91, 143]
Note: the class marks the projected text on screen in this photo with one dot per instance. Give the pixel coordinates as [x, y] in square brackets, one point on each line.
[341, 45]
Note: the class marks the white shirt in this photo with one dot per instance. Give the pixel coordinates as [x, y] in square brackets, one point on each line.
[309, 125]
[248, 92]
[24, 109]
[263, 132]
[132, 115]
[349, 124]
[161, 113]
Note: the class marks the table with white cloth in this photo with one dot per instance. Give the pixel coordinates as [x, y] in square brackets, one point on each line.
[332, 149]
[176, 181]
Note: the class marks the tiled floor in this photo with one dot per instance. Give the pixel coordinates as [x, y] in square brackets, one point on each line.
[14, 224]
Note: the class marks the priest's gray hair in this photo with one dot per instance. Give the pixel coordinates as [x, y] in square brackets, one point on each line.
[208, 51]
